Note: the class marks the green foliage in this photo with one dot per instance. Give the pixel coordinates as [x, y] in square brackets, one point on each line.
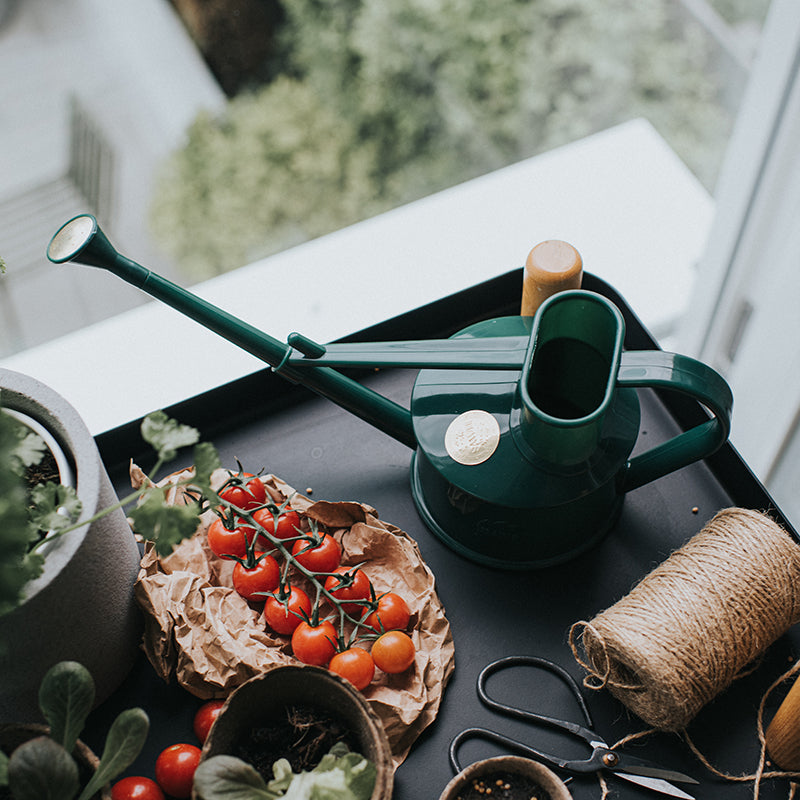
[164, 524]
[41, 769]
[276, 162]
[124, 742]
[166, 436]
[17, 565]
[737, 11]
[44, 768]
[66, 696]
[57, 509]
[384, 102]
[341, 775]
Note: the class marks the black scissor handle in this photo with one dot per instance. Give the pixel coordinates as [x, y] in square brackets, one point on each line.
[585, 733]
[497, 738]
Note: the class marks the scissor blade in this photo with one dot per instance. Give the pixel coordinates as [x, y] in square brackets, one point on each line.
[632, 765]
[656, 784]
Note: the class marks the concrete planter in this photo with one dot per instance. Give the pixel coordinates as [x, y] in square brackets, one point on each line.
[81, 608]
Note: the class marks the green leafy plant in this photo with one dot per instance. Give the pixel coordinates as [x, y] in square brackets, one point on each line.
[341, 775]
[45, 766]
[56, 509]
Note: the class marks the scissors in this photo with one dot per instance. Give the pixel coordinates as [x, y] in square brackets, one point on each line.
[630, 768]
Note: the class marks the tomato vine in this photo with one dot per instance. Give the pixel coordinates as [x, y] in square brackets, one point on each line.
[327, 608]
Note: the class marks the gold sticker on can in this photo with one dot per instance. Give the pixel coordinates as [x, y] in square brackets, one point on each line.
[472, 437]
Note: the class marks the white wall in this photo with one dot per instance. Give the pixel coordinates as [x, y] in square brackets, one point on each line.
[743, 318]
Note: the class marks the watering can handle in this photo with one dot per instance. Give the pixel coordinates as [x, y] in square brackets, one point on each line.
[660, 370]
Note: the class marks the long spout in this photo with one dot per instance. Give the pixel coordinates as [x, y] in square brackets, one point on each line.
[81, 240]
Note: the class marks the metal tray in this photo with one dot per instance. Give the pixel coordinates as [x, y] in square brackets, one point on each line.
[268, 423]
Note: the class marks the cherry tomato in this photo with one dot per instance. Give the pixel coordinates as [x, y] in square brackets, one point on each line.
[263, 577]
[356, 665]
[391, 614]
[204, 718]
[348, 584]
[136, 788]
[288, 523]
[224, 542]
[246, 496]
[175, 768]
[282, 619]
[314, 644]
[393, 652]
[322, 557]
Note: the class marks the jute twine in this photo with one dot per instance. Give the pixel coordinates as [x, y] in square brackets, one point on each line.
[693, 625]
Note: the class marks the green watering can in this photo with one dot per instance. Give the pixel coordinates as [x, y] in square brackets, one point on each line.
[522, 427]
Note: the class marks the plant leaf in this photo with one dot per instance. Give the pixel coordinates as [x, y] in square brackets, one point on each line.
[41, 769]
[3, 769]
[15, 572]
[166, 436]
[124, 742]
[206, 461]
[230, 778]
[30, 449]
[55, 507]
[166, 525]
[340, 775]
[66, 696]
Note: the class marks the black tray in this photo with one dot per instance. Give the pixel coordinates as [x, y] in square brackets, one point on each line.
[268, 423]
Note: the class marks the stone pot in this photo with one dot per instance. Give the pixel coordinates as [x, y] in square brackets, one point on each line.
[82, 607]
[12, 736]
[268, 694]
[516, 765]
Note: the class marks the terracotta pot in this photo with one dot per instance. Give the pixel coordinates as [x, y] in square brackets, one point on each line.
[546, 778]
[12, 736]
[267, 695]
[82, 607]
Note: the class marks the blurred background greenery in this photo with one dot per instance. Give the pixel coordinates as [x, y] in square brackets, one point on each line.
[341, 109]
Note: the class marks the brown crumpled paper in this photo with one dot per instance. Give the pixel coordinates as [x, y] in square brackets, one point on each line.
[201, 632]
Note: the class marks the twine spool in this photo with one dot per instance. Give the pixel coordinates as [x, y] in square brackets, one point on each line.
[691, 626]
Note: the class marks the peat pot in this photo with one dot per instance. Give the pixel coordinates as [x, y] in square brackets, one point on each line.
[81, 608]
[264, 699]
[475, 778]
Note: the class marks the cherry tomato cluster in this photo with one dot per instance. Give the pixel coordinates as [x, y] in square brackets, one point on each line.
[175, 765]
[294, 568]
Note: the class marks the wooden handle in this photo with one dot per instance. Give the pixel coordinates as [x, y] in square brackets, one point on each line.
[783, 733]
[551, 267]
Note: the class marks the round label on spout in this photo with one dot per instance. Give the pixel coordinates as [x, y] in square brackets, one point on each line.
[472, 437]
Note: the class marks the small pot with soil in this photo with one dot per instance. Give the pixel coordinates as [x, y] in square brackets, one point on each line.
[299, 713]
[506, 778]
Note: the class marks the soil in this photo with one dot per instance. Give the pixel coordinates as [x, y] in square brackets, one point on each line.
[302, 736]
[503, 786]
[46, 470]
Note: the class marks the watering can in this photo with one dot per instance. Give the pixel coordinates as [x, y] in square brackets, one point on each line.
[522, 427]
